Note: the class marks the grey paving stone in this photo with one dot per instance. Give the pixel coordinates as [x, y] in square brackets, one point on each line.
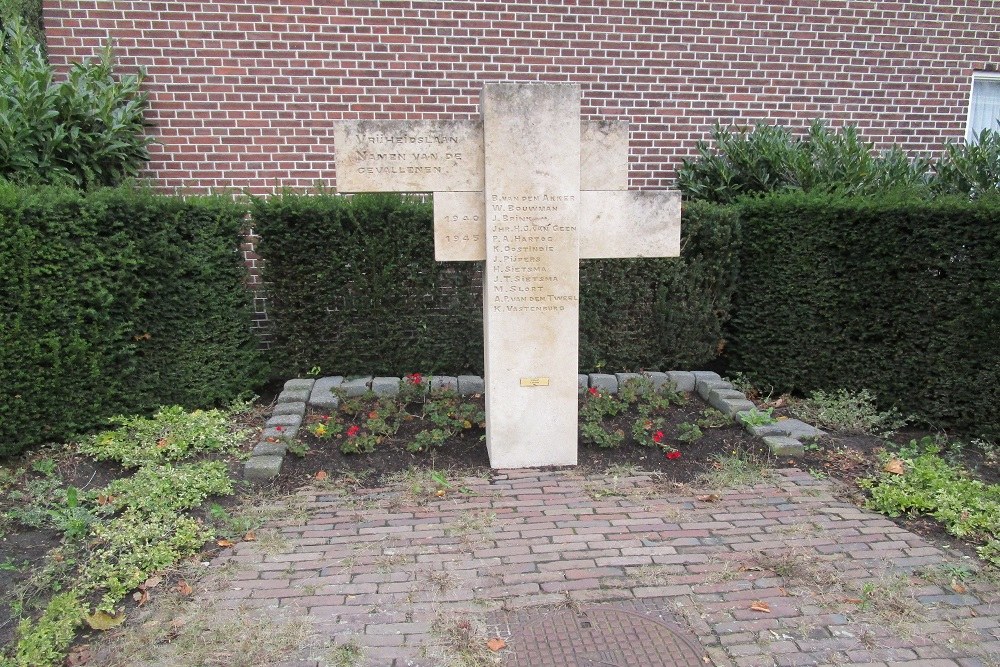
[265, 448]
[765, 429]
[293, 396]
[626, 377]
[720, 398]
[280, 432]
[284, 420]
[705, 386]
[657, 379]
[357, 386]
[385, 386]
[604, 382]
[262, 468]
[444, 383]
[781, 445]
[322, 395]
[295, 408]
[300, 383]
[581, 384]
[683, 380]
[800, 430]
[471, 384]
[731, 406]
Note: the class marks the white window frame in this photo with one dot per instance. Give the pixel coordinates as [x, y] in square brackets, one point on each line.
[977, 76]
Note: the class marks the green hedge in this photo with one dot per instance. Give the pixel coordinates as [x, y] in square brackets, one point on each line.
[116, 302]
[353, 288]
[898, 296]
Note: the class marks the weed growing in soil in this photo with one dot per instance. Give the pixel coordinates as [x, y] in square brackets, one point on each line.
[736, 468]
[848, 411]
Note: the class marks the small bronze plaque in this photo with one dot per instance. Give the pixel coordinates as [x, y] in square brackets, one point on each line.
[534, 382]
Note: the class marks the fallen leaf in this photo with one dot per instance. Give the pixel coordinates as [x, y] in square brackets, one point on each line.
[225, 543]
[440, 493]
[853, 600]
[895, 466]
[251, 536]
[709, 498]
[141, 597]
[321, 475]
[101, 620]
[782, 418]
[184, 588]
[152, 582]
[958, 587]
[760, 606]
[495, 644]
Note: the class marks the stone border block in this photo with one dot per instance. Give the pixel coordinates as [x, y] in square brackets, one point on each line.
[444, 383]
[604, 382]
[284, 420]
[721, 398]
[766, 429]
[385, 386]
[296, 408]
[800, 430]
[357, 386]
[625, 377]
[683, 380]
[262, 468]
[657, 379]
[581, 384]
[264, 448]
[705, 387]
[781, 445]
[731, 406]
[322, 395]
[293, 396]
[279, 432]
[471, 384]
[297, 384]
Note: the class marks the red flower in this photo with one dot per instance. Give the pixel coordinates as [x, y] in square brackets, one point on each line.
[658, 437]
[325, 418]
[279, 428]
[414, 378]
[353, 430]
[594, 391]
[673, 455]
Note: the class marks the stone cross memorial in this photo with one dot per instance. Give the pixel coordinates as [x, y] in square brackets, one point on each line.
[531, 190]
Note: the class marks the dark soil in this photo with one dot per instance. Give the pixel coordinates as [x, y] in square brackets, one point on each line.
[467, 452]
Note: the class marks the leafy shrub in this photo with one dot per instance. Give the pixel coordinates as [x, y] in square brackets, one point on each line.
[167, 488]
[970, 169]
[171, 435]
[891, 293]
[341, 268]
[930, 485]
[43, 643]
[85, 131]
[844, 410]
[770, 158]
[117, 301]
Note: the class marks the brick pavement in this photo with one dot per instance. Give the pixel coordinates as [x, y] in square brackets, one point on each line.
[783, 573]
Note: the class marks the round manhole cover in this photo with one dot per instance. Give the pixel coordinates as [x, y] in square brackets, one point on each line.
[599, 636]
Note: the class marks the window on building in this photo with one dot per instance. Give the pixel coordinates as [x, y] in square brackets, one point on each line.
[984, 107]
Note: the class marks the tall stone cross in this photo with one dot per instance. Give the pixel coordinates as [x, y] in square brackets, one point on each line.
[531, 190]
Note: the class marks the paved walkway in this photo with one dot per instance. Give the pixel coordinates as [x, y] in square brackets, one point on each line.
[779, 574]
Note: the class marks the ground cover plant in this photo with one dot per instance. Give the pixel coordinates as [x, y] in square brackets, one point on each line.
[108, 516]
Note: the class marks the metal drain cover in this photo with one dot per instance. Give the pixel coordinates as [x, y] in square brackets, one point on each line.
[611, 635]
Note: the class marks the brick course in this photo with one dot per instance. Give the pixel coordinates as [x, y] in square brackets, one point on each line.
[244, 95]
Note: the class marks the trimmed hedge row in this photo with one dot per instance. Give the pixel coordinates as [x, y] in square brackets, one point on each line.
[895, 295]
[116, 302]
[353, 288]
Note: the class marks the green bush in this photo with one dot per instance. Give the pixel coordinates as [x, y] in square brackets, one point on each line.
[85, 131]
[354, 288]
[900, 296]
[770, 158]
[971, 169]
[117, 301]
[28, 12]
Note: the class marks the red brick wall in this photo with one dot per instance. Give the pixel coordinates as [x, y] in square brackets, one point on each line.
[244, 94]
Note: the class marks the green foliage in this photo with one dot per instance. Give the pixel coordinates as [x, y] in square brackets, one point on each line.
[167, 488]
[43, 643]
[897, 295]
[117, 301]
[971, 169]
[847, 411]
[930, 485]
[770, 158]
[687, 432]
[340, 268]
[712, 418]
[27, 12]
[755, 417]
[171, 435]
[86, 131]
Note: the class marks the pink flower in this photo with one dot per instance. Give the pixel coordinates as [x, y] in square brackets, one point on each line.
[594, 391]
[658, 437]
[673, 455]
[353, 430]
